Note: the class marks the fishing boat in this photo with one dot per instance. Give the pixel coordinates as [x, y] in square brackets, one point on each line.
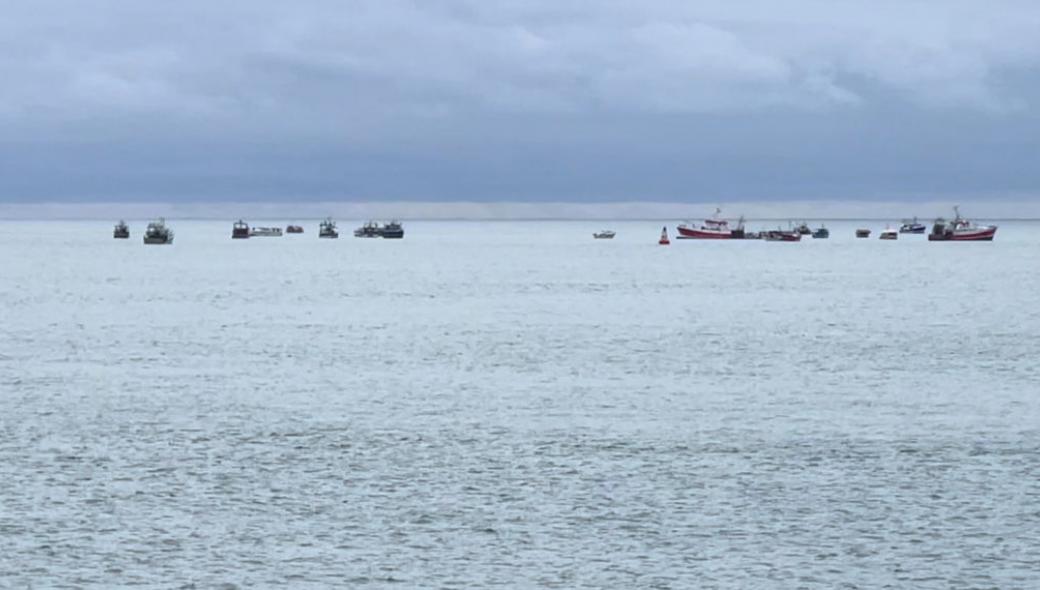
[369, 229]
[265, 232]
[961, 230]
[240, 230]
[294, 229]
[781, 235]
[714, 228]
[912, 226]
[803, 229]
[821, 233]
[327, 229]
[605, 234]
[158, 233]
[889, 234]
[121, 231]
[862, 233]
[664, 241]
[392, 230]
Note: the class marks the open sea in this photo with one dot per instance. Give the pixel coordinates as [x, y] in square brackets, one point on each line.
[515, 404]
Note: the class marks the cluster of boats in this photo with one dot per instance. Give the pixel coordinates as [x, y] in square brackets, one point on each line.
[392, 230]
[717, 228]
[958, 229]
[157, 231]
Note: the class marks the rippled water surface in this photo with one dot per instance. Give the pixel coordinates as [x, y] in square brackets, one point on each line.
[517, 405]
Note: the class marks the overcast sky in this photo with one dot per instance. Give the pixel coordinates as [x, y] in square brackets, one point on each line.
[542, 100]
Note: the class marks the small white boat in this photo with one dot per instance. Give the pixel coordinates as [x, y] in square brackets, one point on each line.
[604, 235]
[889, 234]
[265, 232]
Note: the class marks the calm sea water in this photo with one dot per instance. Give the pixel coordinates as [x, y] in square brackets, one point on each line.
[517, 405]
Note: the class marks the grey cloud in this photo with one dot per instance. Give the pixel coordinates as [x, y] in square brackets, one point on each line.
[516, 99]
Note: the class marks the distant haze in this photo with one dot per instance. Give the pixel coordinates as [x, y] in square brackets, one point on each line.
[550, 101]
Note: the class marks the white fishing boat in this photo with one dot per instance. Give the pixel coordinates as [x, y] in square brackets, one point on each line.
[605, 234]
[265, 232]
[327, 229]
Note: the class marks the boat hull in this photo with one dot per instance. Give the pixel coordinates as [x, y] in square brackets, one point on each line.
[979, 235]
[782, 236]
[703, 234]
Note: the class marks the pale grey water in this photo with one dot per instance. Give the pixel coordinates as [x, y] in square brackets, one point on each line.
[517, 405]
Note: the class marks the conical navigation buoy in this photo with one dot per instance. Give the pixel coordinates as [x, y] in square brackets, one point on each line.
[664, 237]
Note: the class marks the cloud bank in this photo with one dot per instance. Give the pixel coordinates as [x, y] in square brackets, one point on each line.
[543, 100]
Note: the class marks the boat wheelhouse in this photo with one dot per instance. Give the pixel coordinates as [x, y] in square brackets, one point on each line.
[239, 230]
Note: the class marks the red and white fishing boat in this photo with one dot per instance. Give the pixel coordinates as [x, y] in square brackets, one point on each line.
[961, 230]
[715, 228]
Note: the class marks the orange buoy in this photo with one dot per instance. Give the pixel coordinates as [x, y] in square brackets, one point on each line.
[664, 237]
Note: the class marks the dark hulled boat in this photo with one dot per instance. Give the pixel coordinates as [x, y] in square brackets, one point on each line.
[392, 231]
[239, 230]
[912, 226]
[369, 229]
[121, 231]
[158, 233]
